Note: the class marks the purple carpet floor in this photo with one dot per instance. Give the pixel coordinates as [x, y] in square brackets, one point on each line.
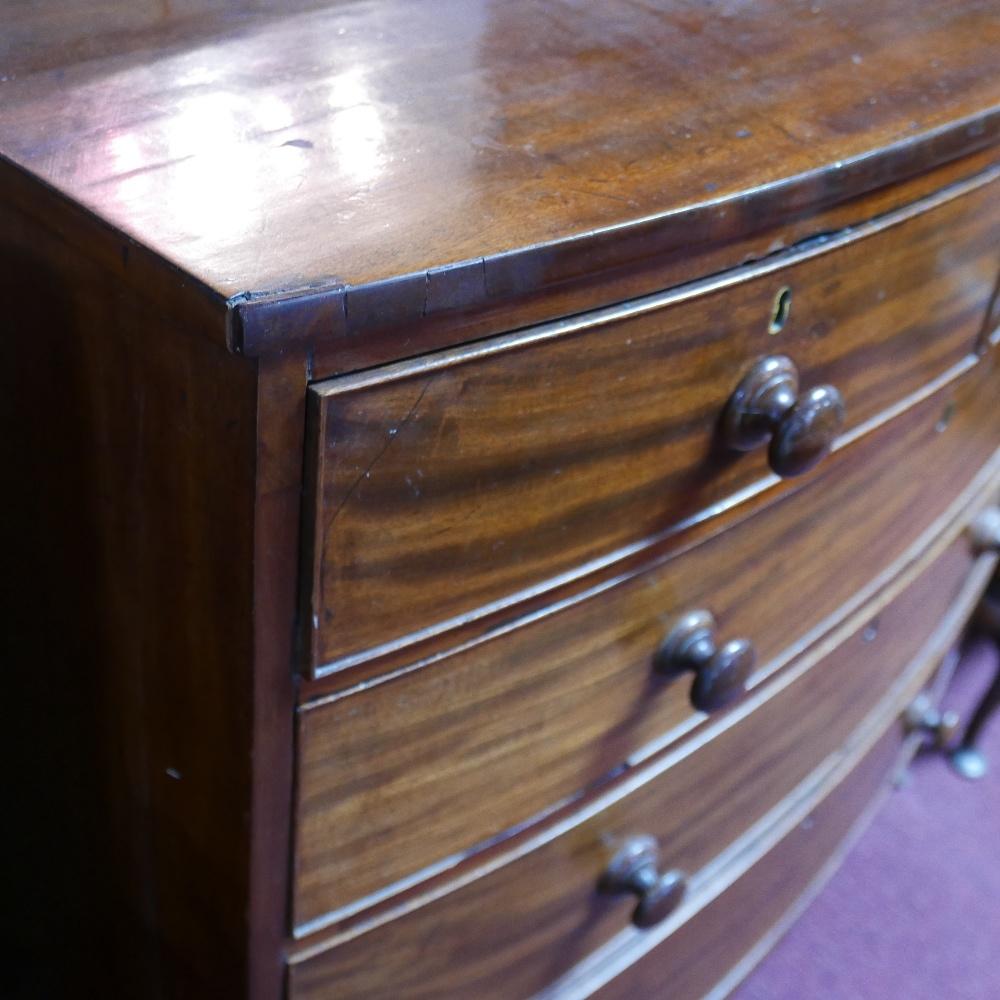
[914, 911]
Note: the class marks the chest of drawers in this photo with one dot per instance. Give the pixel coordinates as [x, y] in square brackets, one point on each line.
[486, 480]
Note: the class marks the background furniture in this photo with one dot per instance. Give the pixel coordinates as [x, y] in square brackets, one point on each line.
[486, 480]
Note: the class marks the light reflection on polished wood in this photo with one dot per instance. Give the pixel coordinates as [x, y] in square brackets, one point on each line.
[268, 146]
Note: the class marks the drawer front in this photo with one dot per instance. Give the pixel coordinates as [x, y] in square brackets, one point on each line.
[525, 917]
[459, 484]
[403, 774]
[694, 959]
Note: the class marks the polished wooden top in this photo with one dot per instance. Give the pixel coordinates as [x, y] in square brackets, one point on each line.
[264, 145]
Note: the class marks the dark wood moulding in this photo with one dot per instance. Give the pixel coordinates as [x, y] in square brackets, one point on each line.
[349, 328]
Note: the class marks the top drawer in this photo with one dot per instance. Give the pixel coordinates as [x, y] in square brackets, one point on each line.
[460, 483]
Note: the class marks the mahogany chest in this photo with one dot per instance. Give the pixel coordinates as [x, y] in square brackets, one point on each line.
[486, 482]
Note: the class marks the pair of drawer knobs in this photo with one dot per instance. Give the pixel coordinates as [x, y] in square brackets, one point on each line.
[721, 671]
[768, 408]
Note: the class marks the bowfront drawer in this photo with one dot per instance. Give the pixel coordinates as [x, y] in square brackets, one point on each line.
[455, 486]
[411, 770]
[695, 958]
[532, 910]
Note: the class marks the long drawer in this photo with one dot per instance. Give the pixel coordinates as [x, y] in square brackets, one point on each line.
[407, 773]
[694, 959]
[459, 484]
[530, 912]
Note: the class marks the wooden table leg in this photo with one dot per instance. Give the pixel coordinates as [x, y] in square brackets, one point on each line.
[967, 759]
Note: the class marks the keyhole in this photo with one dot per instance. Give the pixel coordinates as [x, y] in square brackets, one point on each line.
[779, 313]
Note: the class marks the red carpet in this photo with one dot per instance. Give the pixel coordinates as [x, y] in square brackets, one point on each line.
[914, 912]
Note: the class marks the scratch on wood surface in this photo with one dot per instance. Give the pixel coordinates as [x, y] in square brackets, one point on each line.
[391, 436]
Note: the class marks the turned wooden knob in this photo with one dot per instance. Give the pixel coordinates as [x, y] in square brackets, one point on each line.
[635, 869]
[721, 672]
[923, 717]
[985, 530]
[767, 406]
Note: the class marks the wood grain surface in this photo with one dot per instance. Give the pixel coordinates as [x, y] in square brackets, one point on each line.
[576, 276]
[518, 926]
[375, 140]
[129, 463]
[694, 959]
[404, 773]
[516, 462]
[927, 677]
[248, 181]
[280, 414]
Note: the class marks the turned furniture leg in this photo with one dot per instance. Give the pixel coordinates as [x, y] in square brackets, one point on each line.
[967, 759]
